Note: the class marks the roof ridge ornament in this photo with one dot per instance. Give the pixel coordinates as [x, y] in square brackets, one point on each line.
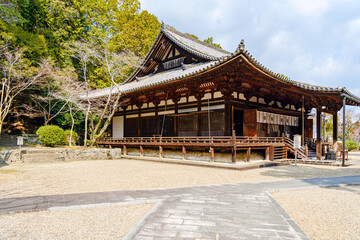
[162, 25]
[241, 46]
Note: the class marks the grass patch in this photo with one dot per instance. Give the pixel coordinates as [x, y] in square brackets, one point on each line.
[7, 171]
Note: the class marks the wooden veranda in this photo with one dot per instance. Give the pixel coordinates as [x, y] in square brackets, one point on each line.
[274, 147]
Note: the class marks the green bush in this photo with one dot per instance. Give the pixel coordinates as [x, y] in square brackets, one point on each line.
[74, 137]
[50, 135]
[351, 145]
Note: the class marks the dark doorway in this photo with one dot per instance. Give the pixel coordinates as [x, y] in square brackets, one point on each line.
[238, 122]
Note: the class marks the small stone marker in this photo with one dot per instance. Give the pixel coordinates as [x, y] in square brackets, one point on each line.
[20, 142]
[297, 145]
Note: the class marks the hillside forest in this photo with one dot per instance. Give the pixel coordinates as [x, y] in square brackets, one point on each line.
[53, 50]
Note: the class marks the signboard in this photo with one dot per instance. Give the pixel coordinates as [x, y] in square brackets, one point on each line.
[297, 141]
[20, 140]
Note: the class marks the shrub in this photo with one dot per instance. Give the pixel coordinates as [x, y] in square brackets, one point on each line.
[74, 137]
[351, 145]
[50, 135]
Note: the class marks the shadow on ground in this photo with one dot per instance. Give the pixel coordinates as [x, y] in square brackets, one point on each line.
[309, 171]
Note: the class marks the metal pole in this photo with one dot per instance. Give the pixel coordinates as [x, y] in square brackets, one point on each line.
[343, 155]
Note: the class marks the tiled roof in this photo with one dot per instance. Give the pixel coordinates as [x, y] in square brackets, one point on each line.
[193, 45]
[216, 56]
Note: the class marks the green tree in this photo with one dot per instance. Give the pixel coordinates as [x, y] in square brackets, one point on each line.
[134, 30]
[210, 40]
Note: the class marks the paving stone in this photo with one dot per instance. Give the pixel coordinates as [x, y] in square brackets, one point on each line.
[234, 211]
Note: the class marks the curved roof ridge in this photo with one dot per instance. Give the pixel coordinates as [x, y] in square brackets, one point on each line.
[168, 27]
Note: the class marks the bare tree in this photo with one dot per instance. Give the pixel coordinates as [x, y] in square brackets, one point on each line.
[17, 76]
[84, 53]
[114, 65]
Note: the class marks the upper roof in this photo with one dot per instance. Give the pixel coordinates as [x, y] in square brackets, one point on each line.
[209, 57]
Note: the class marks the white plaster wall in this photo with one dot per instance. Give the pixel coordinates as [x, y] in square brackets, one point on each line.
[118, 126]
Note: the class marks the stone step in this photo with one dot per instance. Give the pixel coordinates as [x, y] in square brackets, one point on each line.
[40, 151]
[42, 157]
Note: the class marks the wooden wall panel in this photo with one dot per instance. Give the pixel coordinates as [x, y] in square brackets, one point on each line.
[250, 122]
[308, 128]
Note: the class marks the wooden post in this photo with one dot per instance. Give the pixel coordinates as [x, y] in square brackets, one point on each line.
[160, 152]
[335, 132]
[271, 153]
[267, 153]
[139, 122]
[183, 153]
[199, 116]
[228, 117]
[125, 150]
[248, 153]
[233, 150]
[141, 151]
[318, 134]
[124, 113]
[176, 119]
[157, 119]
[212, 154]
[110, 146]
[343, 128]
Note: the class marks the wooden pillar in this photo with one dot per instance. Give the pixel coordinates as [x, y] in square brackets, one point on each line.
[248, 153]
[160, 152]
[212, 155]
[141, 151]
[139, 122]
[157, 119]
[343, 132]
[124, 114]
[318, 134]
[335, 131]
[199, 116]
[271, 153]
[233, 150]
[183, 153]
[267, 153]
[228, 117]
[303, 120]
[176, 120]
[125, 150]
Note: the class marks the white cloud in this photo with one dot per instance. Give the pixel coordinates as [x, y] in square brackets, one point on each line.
[311, 7]
[314, 41]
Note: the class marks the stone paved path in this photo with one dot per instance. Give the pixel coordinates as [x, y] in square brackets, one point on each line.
[227, 211]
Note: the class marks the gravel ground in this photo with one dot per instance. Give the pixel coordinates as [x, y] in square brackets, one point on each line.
[110, 175]
[324, 213]
[95, 223]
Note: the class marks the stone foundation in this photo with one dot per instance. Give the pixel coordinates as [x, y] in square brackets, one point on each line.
[66, 154]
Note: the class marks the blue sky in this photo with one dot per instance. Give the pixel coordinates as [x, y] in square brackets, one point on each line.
[313, 41]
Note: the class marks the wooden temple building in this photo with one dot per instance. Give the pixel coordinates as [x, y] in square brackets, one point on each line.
[190, 94]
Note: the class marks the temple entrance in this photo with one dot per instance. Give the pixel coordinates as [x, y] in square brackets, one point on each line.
[239, 122]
